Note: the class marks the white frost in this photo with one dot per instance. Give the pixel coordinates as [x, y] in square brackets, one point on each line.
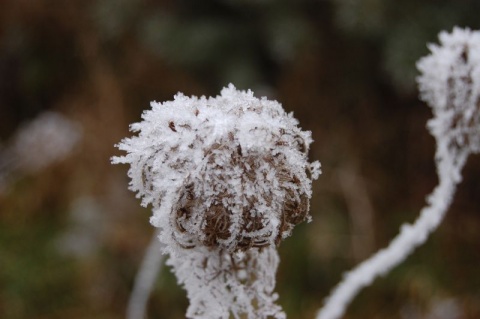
[228, 178]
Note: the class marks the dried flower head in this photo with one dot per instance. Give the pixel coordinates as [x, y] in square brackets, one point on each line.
[235, 167]
[228, 178]
[450, 84]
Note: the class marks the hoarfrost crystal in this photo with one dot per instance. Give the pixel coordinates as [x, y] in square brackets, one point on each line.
[228, 178]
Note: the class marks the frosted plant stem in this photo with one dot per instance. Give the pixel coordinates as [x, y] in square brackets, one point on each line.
[449, 83]
[145, 279]
[410, 237]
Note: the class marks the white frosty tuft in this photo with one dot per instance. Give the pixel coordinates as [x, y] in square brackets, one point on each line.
[47, 139]
[450, 84]
[228, 178]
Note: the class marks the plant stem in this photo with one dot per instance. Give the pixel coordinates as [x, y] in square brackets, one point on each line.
[145, 279]
[409, 238]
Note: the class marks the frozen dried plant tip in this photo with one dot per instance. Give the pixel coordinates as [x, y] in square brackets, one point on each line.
[228, 178]
[450, 84]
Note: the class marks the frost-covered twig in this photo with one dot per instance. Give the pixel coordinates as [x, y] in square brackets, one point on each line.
[450, 84]
[145, 279]
[410, 237]
[228, 178]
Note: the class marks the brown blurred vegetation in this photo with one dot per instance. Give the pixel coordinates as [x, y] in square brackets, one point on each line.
[345, 68]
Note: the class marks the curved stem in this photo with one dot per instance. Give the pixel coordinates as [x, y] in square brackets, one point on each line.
[409, 238]
[145, 279]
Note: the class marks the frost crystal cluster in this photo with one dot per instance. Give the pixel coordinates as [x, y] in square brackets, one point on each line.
[228, 178]
[450, 84]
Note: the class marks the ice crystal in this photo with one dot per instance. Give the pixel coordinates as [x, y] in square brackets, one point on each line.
[228, 178]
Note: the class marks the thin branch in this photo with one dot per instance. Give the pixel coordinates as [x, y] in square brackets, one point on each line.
[145, 279]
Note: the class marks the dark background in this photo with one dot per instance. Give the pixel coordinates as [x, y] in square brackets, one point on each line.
[345, 68]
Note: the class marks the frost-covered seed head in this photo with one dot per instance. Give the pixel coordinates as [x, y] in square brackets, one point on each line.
[228, 178]
[233, 169]
[217, 219]
[450, 84]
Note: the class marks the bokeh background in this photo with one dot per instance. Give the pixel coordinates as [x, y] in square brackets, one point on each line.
[74, 74]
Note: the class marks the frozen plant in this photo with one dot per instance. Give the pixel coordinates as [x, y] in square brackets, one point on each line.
[450, 84]
[47, 139]
[228, 178]
[145, 279]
